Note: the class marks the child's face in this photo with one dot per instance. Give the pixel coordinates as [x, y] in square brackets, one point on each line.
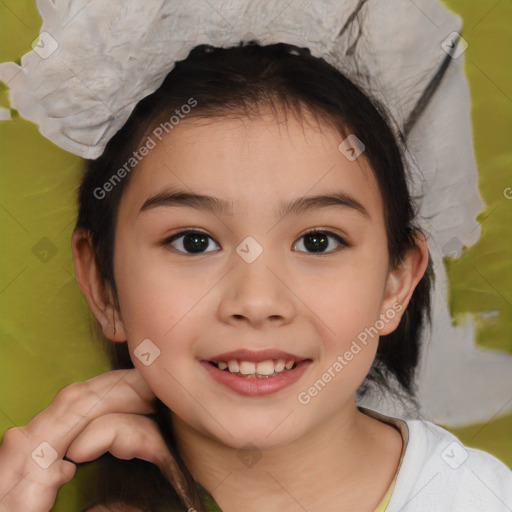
[227, 297]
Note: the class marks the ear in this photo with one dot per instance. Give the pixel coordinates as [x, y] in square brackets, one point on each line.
[98, 297]
[401, 283]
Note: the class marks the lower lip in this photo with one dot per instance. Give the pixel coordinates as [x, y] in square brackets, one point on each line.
[254, 386]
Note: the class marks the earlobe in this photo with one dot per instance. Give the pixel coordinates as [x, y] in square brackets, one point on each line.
[94, 289]
[401, 283]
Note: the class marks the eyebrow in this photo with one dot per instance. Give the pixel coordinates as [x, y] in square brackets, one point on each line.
[176, 198]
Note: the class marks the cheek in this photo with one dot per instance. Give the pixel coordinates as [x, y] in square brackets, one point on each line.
[155, 297]
[160, 311]
[352, 297]
[350, 310]
[163, 311]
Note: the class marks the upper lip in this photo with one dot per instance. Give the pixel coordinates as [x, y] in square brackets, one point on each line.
[255, 356]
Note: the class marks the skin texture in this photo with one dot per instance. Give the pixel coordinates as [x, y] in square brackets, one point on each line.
[315, 456]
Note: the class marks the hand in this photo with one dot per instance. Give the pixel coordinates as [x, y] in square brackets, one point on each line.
[84, 420]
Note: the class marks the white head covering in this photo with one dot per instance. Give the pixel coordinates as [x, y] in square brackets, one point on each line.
[94, 61]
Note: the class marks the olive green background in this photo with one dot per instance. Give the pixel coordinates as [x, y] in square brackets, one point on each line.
[45, 324]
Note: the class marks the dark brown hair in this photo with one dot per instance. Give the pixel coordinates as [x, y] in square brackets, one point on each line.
[239, 81]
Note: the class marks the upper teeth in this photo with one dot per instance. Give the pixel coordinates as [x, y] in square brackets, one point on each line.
[265, 368]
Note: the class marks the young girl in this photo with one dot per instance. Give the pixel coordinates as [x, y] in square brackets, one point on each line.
[247, 243]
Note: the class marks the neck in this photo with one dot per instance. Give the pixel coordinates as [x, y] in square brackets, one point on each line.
[326, 469]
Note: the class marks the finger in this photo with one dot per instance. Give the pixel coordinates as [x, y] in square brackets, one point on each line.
[36, 490]
[124, 435]
[127, 436]
[76, 405]
[31, 456]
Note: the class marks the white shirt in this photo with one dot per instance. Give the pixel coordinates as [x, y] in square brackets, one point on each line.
[437, 473]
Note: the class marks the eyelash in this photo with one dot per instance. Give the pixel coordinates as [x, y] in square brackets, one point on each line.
[342, 242]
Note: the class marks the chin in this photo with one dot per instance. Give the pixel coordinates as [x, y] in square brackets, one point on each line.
[265, 432]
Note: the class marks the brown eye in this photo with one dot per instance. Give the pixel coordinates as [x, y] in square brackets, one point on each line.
[193, 242]
[317, 241]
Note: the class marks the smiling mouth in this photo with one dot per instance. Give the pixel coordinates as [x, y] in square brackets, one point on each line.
[258, 370]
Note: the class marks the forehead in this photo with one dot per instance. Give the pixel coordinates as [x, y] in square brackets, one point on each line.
[252, 162]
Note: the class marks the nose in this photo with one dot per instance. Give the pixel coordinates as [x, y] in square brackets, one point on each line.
[256, 293]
